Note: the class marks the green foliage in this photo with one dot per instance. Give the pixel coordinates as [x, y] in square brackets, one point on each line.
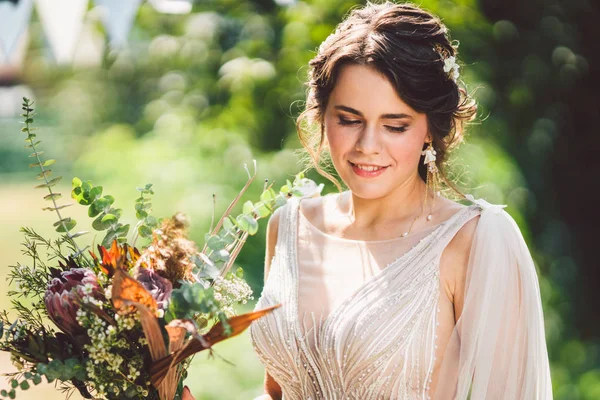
[63, 370]
[143, 206]
[63, 224]
[106, 217]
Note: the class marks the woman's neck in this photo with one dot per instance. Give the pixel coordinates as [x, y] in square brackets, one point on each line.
[404, 203]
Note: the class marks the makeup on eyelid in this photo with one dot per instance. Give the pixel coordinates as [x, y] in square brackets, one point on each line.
[347, 122]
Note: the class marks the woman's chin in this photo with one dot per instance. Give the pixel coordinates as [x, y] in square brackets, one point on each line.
[368, 190]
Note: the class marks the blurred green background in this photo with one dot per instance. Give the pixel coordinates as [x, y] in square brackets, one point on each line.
[196, 96]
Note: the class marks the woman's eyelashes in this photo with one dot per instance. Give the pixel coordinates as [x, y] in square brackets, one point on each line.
[346, 122]
[343, 121]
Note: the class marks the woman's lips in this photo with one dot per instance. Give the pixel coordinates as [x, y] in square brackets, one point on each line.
[366, 174]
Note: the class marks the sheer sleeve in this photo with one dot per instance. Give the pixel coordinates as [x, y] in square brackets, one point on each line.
[497, 349]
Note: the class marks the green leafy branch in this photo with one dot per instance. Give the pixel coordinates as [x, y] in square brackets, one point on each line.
[63, 224]
[146, 223]
[223, 244]
[225, 241]
[100, 208]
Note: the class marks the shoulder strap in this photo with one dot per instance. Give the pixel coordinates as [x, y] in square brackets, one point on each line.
[286, 231]
[455, 223]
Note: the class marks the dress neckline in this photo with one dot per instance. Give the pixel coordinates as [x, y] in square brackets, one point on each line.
[427, 230]
[377, 277]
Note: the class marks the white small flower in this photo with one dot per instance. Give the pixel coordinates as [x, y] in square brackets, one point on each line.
[309, 188]
[451, 67]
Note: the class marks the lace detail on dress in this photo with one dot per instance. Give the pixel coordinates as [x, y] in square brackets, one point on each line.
[378, 343]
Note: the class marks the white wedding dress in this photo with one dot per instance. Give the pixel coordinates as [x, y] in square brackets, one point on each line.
[376, 323]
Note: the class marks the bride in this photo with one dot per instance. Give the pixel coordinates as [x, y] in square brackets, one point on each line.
[390, 290]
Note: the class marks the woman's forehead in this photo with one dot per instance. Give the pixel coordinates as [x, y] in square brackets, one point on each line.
[366, 90]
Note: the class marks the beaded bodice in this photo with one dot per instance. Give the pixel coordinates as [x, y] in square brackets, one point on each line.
[377, 343]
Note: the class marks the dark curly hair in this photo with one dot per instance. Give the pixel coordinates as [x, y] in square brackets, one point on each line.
[408, 45]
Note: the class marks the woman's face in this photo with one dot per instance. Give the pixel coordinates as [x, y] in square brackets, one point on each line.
[367, 124]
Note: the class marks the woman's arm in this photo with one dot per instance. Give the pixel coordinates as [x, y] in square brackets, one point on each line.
[272, 388]
[497, 350]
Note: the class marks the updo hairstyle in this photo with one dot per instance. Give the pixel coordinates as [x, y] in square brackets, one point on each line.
[406, 44]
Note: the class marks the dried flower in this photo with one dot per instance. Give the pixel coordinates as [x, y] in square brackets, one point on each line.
[159, 287]
[170, 253]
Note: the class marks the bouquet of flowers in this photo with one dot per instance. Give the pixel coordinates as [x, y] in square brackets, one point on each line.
[127, 320]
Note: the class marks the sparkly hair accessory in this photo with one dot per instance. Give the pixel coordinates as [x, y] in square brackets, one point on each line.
[450, 65]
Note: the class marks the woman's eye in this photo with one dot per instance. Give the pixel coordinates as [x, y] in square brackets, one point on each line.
[396, 128]
[343, 121]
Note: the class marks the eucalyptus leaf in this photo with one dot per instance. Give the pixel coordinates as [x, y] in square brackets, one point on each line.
[95, 209]
[108, 239]
[151, 221]
[53, 196]
[109, 218]
[86, 186]
[215, 243]
[98, 225]
[50, 183]
[219, 256]
[61, 221]
[109, 198]
[141, 214]
[227, 237]
[227, 224]
[262, 210]
[209, 271]
[35, 154]
[76, 182]
[242, 223]
[123, 230]
[69, 225]
[115, 211]
[48, 162]
[253, 226]
[247, 224]
[268, 195]
[54, 181]
[248, 207]
[96, 192]
[44, 174]
[144, 231]
[56, 208]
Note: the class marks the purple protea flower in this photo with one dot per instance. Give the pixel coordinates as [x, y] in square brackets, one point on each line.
[160, 288]
[64, 293]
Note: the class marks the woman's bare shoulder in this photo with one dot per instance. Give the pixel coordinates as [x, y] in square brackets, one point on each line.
[455, 257]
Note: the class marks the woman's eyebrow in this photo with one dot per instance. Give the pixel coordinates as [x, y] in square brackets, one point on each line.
[383, 116]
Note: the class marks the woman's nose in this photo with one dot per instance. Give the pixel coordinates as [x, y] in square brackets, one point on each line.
[369, 141]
